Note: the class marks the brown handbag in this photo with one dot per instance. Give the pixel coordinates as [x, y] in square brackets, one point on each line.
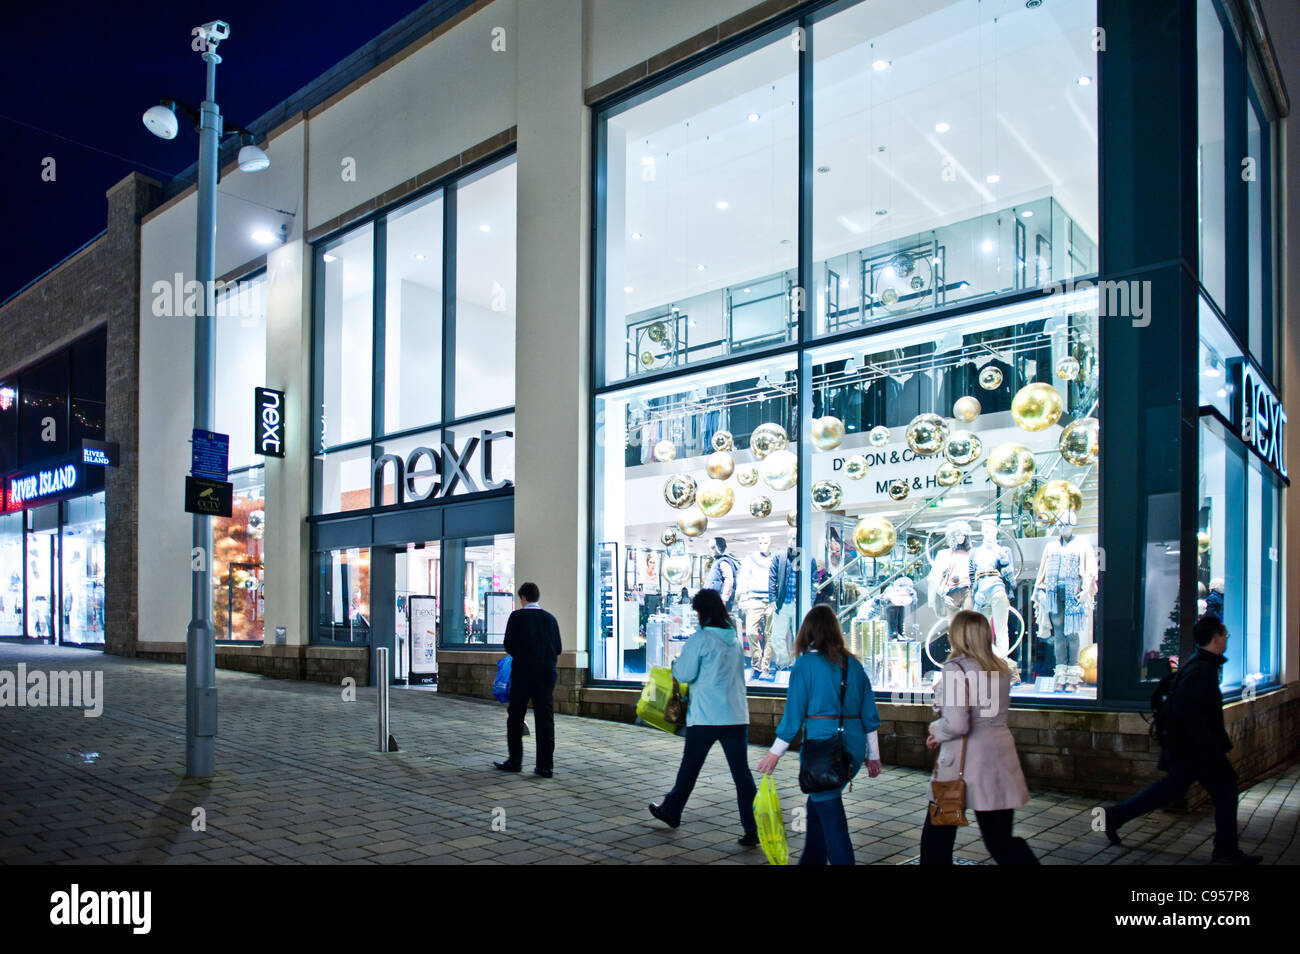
[675, 708]
[948, 799]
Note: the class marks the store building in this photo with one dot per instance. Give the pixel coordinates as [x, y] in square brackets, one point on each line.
[932, 305]
[68, 438]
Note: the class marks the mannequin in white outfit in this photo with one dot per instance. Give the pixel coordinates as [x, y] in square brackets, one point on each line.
[751, 592]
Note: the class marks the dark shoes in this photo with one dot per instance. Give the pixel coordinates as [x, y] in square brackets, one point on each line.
[1237, 857]
[507, 766]
[544, 773]
[1112, 829]
[748, 841]
[658, 813]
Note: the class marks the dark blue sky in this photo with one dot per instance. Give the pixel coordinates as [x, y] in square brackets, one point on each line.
[87, 71]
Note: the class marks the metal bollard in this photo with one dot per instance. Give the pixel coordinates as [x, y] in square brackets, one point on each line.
[381, 684]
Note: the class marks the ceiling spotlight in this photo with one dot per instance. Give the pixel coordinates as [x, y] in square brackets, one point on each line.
[636, 235]
[485, 228]
[941, 127]
[263, 236]
[722, 203]
[752, 117]
[986, 246]
[1211, 366]
[419, 256]
[851, 365]
[251, 157]
[992, 177]
[1027, 214]
[880, 66]
[1084, 80]
[628, 289]
[699, 268]
[330, 258]
[161, 120]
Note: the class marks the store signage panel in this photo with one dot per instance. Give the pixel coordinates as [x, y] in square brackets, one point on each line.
[428, 474]
[210, 453]
[98, 453]
[268, 422]
[55, 481]
[423, 626]
[1259, 417]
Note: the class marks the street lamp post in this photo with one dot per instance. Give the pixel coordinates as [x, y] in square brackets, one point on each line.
[200, 645]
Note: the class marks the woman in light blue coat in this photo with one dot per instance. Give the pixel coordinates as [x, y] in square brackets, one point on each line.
[712, 665]
[812, 703]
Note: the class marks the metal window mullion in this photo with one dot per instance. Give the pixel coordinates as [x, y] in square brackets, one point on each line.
[448, 408]
[378, 289]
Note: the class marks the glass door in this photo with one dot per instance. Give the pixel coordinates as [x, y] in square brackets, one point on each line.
[82, 567]
[418, 613]
[42, 583]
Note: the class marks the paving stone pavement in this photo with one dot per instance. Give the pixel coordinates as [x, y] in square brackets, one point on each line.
[298, 780]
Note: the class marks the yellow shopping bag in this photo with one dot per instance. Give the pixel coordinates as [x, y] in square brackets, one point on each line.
[771, 826]
[654, 699]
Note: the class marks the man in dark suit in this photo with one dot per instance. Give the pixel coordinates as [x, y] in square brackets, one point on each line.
[533, 642]
[1196, 748]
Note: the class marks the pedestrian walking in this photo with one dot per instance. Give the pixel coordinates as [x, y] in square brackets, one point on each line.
[533, 642]
[972, 698]
[712, 666]
[1194, 746]
[829, 695]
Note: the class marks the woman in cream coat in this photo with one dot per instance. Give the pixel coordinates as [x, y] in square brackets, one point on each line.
[972, 698]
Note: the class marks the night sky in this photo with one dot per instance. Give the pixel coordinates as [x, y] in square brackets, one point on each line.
[86, 72]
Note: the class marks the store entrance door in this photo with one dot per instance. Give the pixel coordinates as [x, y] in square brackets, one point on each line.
[417, 614]
[43, 584]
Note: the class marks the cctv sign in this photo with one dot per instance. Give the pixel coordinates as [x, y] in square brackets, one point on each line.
[268, 422]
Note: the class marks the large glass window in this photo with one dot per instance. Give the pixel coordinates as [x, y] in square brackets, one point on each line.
[413, 316]
[1211, 150]
[83, 570]
[485, 293]
[240, 361]
[8, 425]
[343, 596]
[1259, 234]
[43, 410]
[700, 203]
[347, 337]
[11, 574]
[955, 153]
[87, 389]
[482, 574]
[238, 553]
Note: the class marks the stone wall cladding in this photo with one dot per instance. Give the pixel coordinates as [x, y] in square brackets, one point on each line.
[99, 286]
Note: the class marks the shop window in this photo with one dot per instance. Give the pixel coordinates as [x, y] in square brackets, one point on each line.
[240, 363]
[43, 410]
[343, 596]
[501, 455]
[693, 475]
[238, 599]
[699, 209]
[87, 388]
[482, 575]
[8, 425]
[346, 344]
[955, 153]
[1216, 356]
[1261, 655]
[485, 293]
[413, 316]
[1221, 571]
[42, 548]
[1211, 150]
[11, 574]
[342, 480]
[418, 611]
[83, 560]
[1259, 234]
[415, 475]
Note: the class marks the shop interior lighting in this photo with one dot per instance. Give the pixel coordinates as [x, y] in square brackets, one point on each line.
[941, 127]
[880, 65]
[722, 203]
[1027, 214]
[1084, 80]
[753, 117]
[636, 236]
[992, 178]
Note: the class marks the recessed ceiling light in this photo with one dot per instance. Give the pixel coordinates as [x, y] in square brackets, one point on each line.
[1084, 80]
[722, 203]
[330, 258]
[419, 256]
[746, 291]
[699, 268]
[1027, 214]
[941, 127]
[880, 65]
[485, 228]
[263, 236]
[752, 117]
[627, 288]
[636, 235]
[992, 177]
[986, 246]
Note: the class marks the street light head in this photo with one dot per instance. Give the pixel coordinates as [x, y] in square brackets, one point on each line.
[252, 159]
[161, 121]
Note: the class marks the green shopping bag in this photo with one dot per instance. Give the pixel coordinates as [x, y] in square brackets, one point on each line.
[771, 826]
[654, 699]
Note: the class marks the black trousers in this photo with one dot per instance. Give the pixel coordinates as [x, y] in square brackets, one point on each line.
[1218, 778]
[995, 827]
[539, 690]
[735, 745]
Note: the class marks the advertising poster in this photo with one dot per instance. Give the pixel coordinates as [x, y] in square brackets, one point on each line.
[423, 622]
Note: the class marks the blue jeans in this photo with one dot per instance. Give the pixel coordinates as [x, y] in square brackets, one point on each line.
[827, 839]
[735, 745]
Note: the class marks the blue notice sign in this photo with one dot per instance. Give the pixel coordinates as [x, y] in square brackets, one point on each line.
[211, 452]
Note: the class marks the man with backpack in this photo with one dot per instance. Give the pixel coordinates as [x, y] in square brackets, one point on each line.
[1194, 745]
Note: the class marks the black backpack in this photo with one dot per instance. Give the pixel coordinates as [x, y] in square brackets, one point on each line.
[1162, 710]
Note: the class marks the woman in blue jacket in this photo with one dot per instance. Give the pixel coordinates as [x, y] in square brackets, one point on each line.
[712, 664]
[813, 704]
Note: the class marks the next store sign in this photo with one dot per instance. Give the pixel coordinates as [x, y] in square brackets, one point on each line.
[1260, 419]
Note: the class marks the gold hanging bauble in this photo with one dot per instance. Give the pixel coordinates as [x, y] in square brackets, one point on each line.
[947, 475]
[879, 436]
[990, 377]
[779, 470]
[963, 448]
[1010, 465]
[1037, 406]
[926, 434]
[827, 495]
[1088, 661]
[647, 359]
[1067, 369]
[747, 475]
[692, 523]
[658, 332]
[719, 465]
[792, 519]
[668, 537]
[1081, 442]
[768, 438]
[665, 450]
[722, 441]
[898, 489]
[679, 491]
[855, 468]
[874, 536]
[716, 498]
[1056, 497]
[676, 570]
[760, 507]
[966, 409]
[915, 545]
[827, 433]
[1203, 542]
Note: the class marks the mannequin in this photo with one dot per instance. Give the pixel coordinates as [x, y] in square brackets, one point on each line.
[782, 592]
[950, 577]
[722, 573]
[751, 592]
[1064, 592]
[898, 598]
[990, 571]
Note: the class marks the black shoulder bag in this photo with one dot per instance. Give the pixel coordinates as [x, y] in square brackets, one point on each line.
[824, 763]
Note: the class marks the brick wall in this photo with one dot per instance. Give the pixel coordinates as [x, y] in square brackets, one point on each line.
[96, 287]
